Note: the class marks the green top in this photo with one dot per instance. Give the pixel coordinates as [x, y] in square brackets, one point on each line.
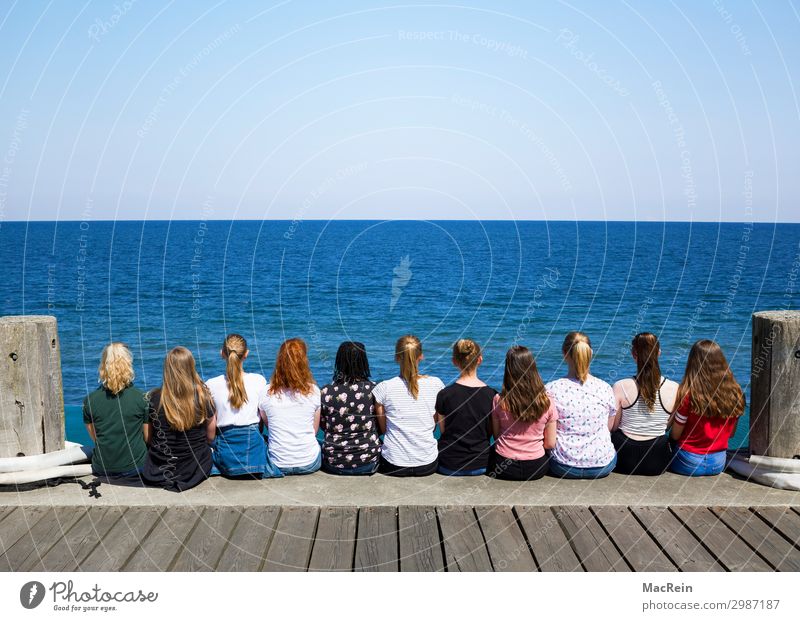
[118, 427]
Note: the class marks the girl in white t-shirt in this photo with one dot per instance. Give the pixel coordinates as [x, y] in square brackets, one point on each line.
[239, 448]
[291, 411]
[405, 407]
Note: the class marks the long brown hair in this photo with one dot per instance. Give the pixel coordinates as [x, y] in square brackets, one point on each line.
[234, 349]
[407, 352]
[645, 348]
[709, 383]
[577, 348]
[292, 372]
[184, 397]
[466, 353]
[523, 394]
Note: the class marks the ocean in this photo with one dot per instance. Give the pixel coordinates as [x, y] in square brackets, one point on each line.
[158, 284]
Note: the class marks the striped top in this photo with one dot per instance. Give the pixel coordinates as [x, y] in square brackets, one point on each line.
[638, 420]
[409, 437]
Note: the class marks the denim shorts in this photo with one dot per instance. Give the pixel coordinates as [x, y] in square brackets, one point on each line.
[572, 472]
[312, 467]
[696, 464]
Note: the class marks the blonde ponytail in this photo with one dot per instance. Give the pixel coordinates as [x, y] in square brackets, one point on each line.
[234, 350]
[408, 351]
[578, 350]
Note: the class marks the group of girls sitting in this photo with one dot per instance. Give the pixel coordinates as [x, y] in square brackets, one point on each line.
[575, 427]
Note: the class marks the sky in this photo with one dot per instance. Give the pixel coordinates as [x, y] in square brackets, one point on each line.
[421, 110]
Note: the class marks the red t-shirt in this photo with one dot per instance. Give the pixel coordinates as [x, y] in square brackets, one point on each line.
[703, 434]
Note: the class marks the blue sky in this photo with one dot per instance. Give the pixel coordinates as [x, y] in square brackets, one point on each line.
[471, 110]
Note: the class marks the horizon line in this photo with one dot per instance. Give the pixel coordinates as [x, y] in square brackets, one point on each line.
[299, 220]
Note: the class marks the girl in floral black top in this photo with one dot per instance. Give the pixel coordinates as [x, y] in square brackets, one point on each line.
[352, 444]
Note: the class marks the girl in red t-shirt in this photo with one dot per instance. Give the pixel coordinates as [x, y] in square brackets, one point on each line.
[711, 402]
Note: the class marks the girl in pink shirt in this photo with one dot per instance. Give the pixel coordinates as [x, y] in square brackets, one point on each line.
[523, 421]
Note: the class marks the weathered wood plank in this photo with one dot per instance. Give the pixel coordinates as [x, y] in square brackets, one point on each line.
[208, 539]
[420, 545]
[16, 524]
[464, 546]
[593, 547]
[335, 543]
[248, 543]
[632, 540]
[81, 540]
[124, 537]
[291, 545]
[377, 545]
[508, 549]
[677, 542]
[165, 541]
[784, 520]
[760, 536]
[733, 553]
[549, 544]
[27, 552]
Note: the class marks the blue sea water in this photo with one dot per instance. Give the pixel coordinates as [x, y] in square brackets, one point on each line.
[158, 284]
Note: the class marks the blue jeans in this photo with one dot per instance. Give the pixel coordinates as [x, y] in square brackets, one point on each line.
[572, 472]
[461, 473]
[312, 467]
[365, 469]
[697, 465]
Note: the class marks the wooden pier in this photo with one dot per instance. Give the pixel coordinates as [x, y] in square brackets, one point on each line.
[405, 538]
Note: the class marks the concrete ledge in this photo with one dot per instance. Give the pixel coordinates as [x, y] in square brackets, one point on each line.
[322, 489]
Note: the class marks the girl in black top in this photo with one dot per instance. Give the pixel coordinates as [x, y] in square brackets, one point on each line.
[463, 412]
[181, 426]
[352, 439]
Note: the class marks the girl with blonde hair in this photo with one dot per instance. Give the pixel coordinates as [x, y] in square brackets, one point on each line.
[114, 415]
[710, 402]
[291, 409]
[239, 448]
[586, 411]
[182, 426]
[463, 412]
[405, 407]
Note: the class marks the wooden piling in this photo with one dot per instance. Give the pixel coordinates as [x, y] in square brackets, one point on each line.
[31, 395]
[775, 384]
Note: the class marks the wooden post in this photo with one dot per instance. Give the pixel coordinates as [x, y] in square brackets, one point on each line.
[775, 384]
[31, 396]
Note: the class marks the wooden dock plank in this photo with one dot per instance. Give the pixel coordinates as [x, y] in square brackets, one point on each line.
[677, 542]
[290, 548]
[592, 546]
[639, 550]
[549, 544]
[16, 524]
[784, 520]
[72, 549]
[420, 545]
[28, 551]
[760, 536]
[335, 543]
[250, 539]
[733, 553]
[508, 549]
[464, 546]
[124, 537]
[208, 539]
[165, 541]
[377, 545]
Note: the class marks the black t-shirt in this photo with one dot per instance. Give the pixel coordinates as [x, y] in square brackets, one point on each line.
[177, 460]
[467, 411]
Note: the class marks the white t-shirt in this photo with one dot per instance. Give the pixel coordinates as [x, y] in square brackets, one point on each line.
[409, 437]
[290, 419]
[255, 387]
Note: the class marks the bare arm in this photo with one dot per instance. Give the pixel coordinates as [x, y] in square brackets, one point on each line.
[90, 429]
[495, 428]
[316, 420]
[677, 430]
[439, 418]
[380, 416]
[550, 435]
[211, 429]
[146, 433]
